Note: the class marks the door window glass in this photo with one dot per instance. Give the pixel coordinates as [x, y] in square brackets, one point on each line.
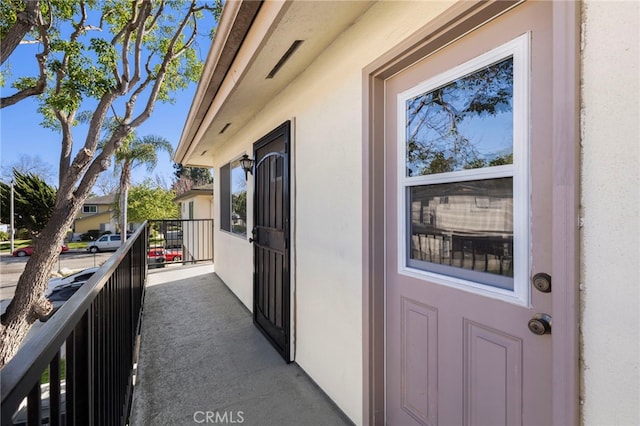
[233, 199]
[238, 199]
[465, 225]
[465, 124]
[462, 145]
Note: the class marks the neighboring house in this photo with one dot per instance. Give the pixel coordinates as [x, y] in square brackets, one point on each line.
[435, 186]
[96, 214]
[196, 210]
[197, 203]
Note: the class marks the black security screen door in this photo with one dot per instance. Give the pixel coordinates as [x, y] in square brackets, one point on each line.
[271, 293]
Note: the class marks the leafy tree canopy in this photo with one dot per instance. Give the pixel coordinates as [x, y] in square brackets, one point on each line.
[34, 201]
[188, 177]
[84, 42]
[199, 175]
[148, 201]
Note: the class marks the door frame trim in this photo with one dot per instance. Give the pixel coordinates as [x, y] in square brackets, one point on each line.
[457, 21]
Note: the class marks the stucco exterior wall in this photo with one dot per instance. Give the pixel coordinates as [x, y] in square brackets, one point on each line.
[202, 207]
[325, 104]
[611, 213]
[233, 256]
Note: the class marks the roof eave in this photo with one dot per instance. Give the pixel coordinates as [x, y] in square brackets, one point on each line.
[235, 21]
[194, 193]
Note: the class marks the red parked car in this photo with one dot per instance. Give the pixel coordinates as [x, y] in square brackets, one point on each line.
[167, 255]
[28, 251]
[173, 255]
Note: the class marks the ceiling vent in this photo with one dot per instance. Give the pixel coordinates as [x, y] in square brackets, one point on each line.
[226, 126]
[285, 58]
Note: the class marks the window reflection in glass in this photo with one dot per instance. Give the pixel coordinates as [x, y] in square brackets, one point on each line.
[464, 229]
[465, 124]
[238, 199]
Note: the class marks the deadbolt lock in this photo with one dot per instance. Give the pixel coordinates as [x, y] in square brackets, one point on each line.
[542, 282]
[540, 324]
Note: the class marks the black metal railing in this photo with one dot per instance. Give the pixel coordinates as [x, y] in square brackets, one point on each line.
[86, 349]
[180, 241]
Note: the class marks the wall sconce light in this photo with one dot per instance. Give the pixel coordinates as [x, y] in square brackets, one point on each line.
[247, 165]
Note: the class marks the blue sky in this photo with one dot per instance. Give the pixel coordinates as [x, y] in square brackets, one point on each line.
[21, 133]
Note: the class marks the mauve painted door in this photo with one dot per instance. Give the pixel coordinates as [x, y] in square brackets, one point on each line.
[467, 226]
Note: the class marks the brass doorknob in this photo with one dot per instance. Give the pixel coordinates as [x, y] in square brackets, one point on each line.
[540, 324]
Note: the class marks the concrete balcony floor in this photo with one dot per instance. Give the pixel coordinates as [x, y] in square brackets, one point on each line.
[202, 361]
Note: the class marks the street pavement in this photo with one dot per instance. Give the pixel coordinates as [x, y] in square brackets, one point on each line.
[12, 267]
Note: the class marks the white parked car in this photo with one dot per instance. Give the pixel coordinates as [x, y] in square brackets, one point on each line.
[77, 277]
[108, 242]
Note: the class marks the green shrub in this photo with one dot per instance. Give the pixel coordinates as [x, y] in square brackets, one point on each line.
[23, 234]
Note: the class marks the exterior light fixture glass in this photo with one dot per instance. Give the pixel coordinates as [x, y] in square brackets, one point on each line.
[247, 164]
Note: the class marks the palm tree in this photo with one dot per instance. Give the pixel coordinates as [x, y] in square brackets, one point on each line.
[132, 153]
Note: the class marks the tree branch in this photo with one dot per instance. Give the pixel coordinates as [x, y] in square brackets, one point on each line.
[155, 18]
[78, 29]
[83, 158]
[67, 145]
[24, 22]
[169, 56]
[134, 96]
[102, 161]
[23, 94]
[126, 38]
[41, 59]
[191, 39]
[145, 10]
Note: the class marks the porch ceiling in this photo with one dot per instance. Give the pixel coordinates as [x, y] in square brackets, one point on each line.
[235, 91]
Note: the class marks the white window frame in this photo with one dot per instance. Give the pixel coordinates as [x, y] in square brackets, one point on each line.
[94, 208]
[519, 49]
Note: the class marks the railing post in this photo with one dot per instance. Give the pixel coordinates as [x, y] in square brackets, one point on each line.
[54, 391]
[78, 375]
[34, 409]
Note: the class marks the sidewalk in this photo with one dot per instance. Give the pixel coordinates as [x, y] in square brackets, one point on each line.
[202, 361]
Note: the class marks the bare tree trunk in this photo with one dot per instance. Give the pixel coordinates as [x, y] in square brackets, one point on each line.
[125, 182]
[29, 303]
[124, 193]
